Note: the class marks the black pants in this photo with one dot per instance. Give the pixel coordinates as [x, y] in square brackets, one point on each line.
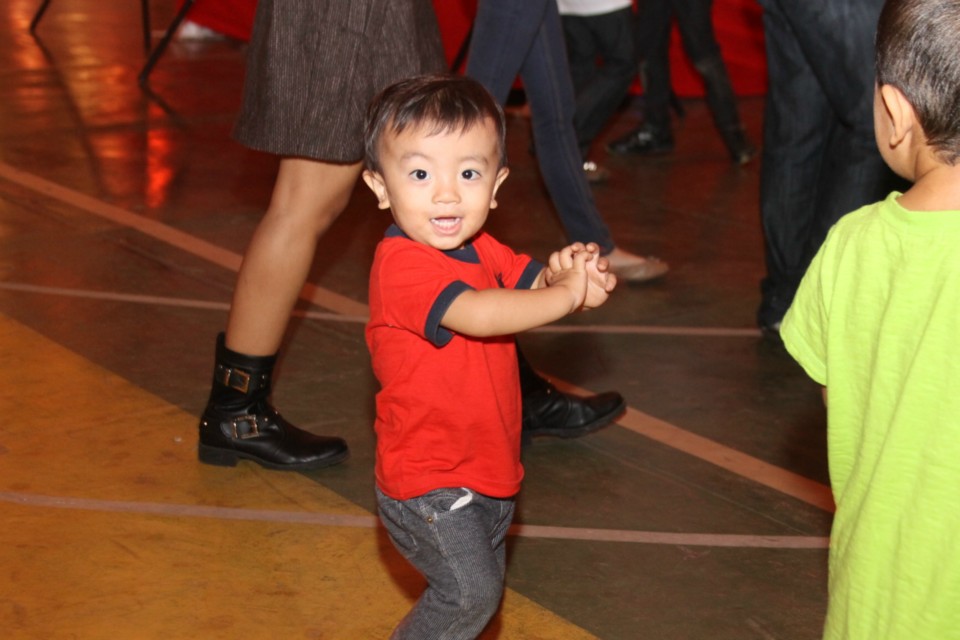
[820, 159]
[600, 89]
[695, 22]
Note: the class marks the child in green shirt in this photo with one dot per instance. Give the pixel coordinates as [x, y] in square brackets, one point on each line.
[876, 320]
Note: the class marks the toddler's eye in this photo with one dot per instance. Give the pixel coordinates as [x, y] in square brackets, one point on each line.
[470, 174]
[419, 174]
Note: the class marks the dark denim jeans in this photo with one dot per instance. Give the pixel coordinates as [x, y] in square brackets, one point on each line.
[525, 37]
[600, 89]
[456, 539]
[820, 158]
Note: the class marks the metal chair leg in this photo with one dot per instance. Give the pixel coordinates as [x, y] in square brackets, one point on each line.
[162, 45]
[145, 14]
[39, 14]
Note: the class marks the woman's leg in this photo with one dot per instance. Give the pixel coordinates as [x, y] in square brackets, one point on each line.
[307, 197]
[239, 422]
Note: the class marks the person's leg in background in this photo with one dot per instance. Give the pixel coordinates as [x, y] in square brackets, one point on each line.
[600, 89]
[526, 37]
[853, 173]
[695, 23]
[819, 155]
[654, 135]
[307, 197]
[794, 139]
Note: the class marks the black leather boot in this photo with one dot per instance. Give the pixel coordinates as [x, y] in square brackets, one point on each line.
[240, 423]
[547, 411]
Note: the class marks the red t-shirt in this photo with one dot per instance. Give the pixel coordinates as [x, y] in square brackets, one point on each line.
[448, 412]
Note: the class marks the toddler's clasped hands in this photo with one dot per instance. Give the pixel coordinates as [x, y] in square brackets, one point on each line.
[580, 268]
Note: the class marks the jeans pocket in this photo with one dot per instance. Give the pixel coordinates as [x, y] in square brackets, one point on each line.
[438, 502]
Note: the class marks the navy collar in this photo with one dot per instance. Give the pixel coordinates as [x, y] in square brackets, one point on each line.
[467, 253]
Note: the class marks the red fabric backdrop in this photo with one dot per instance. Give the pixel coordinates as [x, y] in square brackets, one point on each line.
[737, 22]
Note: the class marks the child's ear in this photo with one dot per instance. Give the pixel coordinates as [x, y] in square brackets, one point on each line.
[375, 181]
[501, 176]
[903, 119]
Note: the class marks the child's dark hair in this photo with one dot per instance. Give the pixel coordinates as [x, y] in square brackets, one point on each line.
[444, 103]
[918, 52]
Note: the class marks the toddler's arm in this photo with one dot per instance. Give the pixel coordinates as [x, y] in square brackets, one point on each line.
[496, 312]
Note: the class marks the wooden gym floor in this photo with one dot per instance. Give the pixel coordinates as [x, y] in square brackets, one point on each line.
[123, 216]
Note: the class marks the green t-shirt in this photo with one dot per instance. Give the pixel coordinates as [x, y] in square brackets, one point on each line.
[877, 321]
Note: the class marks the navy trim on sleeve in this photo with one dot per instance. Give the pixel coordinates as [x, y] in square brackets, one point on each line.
[529, 275]
[433, 332]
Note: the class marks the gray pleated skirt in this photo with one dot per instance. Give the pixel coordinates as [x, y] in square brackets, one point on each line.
[314, 65]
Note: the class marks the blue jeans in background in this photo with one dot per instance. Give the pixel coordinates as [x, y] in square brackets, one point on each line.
[525, 37]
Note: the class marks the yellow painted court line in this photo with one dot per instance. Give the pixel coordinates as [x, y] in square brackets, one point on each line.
[129, 562]
[736, 462]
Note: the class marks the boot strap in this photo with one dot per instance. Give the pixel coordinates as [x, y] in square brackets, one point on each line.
[244, 427]
[242, 381]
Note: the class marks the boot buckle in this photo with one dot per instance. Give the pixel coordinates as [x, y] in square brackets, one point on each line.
[244, 427]
[234, 378]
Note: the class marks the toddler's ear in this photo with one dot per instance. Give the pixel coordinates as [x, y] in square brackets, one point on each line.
[903, 119]
[375, 182]
[501, 176]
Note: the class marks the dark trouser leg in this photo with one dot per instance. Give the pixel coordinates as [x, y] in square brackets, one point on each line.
[794, 140]
[655, 22]
[600, 90]
[653, 136]
[239, 423]
[819, 156]
[695, 22]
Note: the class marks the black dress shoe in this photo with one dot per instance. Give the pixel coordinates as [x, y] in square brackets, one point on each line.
[771, 332]
[550, 412]
[739, 146]
[643, 141]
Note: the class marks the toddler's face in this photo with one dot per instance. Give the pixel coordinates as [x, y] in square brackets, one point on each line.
[439, 186]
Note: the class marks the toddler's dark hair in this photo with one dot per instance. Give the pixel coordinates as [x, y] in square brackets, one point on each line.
[444, 102]
[918, 52]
